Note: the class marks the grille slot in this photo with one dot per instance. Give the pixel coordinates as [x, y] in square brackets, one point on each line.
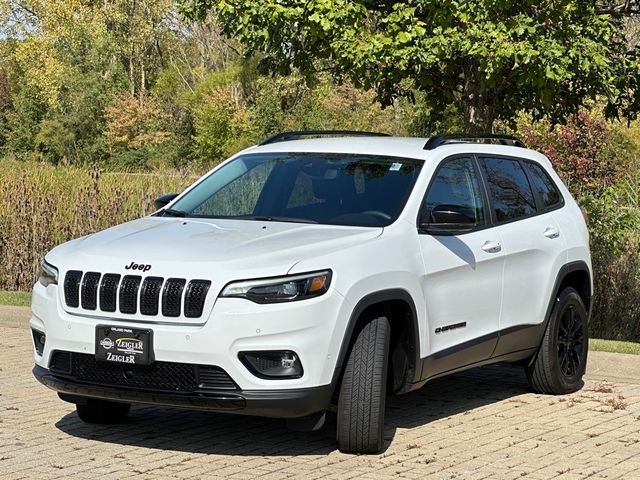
[72, 288]
[150, 295]
[160, 376]
[129, 293]
[172, 297]
[214, 378]
[195, 297]
[89, 292]
[108, 292]
[60, 362]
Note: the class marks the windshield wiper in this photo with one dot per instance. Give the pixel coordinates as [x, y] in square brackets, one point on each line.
[270, 218]
[170, 212]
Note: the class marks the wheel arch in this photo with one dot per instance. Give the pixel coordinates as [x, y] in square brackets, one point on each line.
[577, 275]
[392, 302]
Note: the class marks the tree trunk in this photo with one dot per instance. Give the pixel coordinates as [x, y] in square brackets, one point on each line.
[478, 109]
[132, 73]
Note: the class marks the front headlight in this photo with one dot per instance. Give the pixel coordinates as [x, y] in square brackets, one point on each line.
[289, 288]
[47, 273]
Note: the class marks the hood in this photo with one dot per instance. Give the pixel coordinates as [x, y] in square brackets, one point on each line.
[217, 250]
[202, 247]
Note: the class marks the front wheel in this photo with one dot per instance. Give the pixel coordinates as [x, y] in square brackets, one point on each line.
[361, 403]
[562, 356]
[102, 411]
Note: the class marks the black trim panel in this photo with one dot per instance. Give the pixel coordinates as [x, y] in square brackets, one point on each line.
[290, 403]
[459, 356]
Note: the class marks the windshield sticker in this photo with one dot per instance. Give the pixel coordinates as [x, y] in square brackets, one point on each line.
[395, 167]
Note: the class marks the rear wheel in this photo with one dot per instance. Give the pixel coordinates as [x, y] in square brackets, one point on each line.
[361, 403]
[562, 356]
[102, 411]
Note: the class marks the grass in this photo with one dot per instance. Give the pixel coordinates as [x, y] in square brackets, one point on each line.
[18, 299]
[614, 346]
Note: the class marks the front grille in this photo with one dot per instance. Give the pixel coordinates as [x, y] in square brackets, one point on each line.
[150, 295]
[129, 293]
[160, 376]
[195, 297]
[90, 290]
[132, 294]
[108, 292]
[172, 296]
[72, 288]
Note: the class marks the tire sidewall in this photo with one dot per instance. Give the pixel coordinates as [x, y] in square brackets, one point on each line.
[568, 298]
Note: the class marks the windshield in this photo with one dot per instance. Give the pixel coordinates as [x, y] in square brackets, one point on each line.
[335, 189]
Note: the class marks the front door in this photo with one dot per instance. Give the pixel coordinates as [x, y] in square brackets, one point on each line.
[463, 272]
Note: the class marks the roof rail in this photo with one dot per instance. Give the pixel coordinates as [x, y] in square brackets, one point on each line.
[435, 142]
[295, 135]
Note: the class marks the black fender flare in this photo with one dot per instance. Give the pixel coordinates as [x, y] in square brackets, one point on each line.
[366, 302]
[565, 270]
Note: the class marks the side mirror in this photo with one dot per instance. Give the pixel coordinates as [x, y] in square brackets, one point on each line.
[163, 200]
[449, 219]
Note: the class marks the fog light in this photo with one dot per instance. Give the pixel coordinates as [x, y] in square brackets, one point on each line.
[39, 339]
[278, 364]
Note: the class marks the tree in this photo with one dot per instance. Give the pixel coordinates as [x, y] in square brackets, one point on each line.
[485, 60]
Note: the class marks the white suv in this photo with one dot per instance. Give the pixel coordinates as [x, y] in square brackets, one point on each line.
[312, 274]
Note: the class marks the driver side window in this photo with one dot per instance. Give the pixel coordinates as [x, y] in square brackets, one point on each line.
[455, 188]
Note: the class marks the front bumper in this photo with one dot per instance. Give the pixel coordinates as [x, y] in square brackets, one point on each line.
[286, 403]
[311, 328]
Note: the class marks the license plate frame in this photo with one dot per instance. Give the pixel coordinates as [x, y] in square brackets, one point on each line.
[124, 345]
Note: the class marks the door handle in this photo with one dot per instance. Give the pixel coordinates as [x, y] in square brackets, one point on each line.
[491, 247]
[551, 232]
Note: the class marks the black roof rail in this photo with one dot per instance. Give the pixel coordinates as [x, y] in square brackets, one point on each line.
[297, 134]
[435, 142]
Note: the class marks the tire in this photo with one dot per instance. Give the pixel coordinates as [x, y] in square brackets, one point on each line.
[561, 359]
[102, 411]
[361, 402]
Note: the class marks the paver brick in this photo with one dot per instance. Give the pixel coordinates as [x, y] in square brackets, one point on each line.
[480, 424]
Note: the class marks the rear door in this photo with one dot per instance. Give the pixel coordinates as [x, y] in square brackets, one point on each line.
[533, 246]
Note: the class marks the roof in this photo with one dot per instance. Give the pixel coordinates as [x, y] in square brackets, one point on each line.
[404, 147]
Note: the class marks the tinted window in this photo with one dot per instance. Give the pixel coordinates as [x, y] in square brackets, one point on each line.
[548, 191]
[455, 184]
[509, 188]
[338, 189]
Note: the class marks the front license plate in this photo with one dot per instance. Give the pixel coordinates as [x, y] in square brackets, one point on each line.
[131, 346]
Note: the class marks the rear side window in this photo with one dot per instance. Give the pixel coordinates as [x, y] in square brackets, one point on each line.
[549, 193]
[509, 188]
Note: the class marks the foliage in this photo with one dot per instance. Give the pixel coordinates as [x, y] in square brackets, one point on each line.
[43, 206]
[585, 151]
[133, 123]
[489, 59]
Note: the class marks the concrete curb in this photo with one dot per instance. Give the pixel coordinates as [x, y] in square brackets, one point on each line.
[602, 366]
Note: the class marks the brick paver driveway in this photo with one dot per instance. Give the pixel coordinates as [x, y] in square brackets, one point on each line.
[479, 424]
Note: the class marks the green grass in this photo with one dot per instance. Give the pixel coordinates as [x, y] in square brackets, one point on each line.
[614, 346]
[18, 299]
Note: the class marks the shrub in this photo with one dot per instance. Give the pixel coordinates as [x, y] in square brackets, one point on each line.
[585, 151]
